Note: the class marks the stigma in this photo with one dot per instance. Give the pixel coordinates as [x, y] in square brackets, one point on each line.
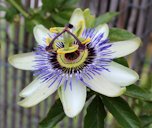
[71, 42]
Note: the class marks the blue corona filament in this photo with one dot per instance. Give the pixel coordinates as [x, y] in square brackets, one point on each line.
[99, 56]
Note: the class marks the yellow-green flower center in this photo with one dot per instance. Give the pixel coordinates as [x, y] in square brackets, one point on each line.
[72, 60]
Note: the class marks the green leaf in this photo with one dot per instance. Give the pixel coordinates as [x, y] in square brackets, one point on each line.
[10, 14]
[105, 18]
[37, 18]
[66, 14]
[69, 3]
[139, 93]
[95, 114]
[90, 93]
[120, 109]
[117, 34]
[55, 115]
[148, 84]
[59, 20]
[146, 120]
[29, 25]
[58, 5]
[122, 61]
[146, 108]
[90, 19]
[48, 5]
[17, 1]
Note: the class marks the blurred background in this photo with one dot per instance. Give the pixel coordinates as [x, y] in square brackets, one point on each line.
[16, 37]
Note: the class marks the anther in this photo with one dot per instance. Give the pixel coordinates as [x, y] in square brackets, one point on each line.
[69, 25]
[86, 41]
[49, 48]
[54, 30]
[82, 47]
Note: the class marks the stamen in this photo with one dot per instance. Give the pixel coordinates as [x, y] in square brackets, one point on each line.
[48, 40]
[86, 41]
[49, 48]
[81, 46]
[54, 30]
[69, 26]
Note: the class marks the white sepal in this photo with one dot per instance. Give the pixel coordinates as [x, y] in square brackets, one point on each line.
[77, 17]
[102, 29]
[40, 34]
[123, 48]
[119, 74]
[38, 94]
[101, 85]
[25, 61]
[73, 99]
[32, 87]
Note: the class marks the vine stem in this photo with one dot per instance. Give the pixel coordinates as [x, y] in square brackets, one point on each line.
[19, 8]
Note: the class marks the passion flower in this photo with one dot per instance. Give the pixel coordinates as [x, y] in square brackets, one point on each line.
[72, 58]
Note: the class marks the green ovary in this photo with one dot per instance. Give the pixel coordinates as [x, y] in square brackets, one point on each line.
[72, 60]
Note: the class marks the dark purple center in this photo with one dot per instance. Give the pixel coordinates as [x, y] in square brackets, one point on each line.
[73, 55]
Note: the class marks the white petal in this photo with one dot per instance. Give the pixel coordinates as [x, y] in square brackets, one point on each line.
[76, 17]
[103, 29]
[123, 48]
[73, 100]
[32, 87]
[37, 94]
[40, 34]
[23, 61]
[120, 75]
[105, 87]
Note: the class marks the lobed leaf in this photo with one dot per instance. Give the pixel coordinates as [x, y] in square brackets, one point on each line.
[120, 109]
[58, 5]
[95, 114]
[55, 115]
[69, 3]
[51, 5]
[122, 61]
[146, 120]
[139, 93]
[117, 34]
[59, 20]
[11, 13]
[105, 18]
